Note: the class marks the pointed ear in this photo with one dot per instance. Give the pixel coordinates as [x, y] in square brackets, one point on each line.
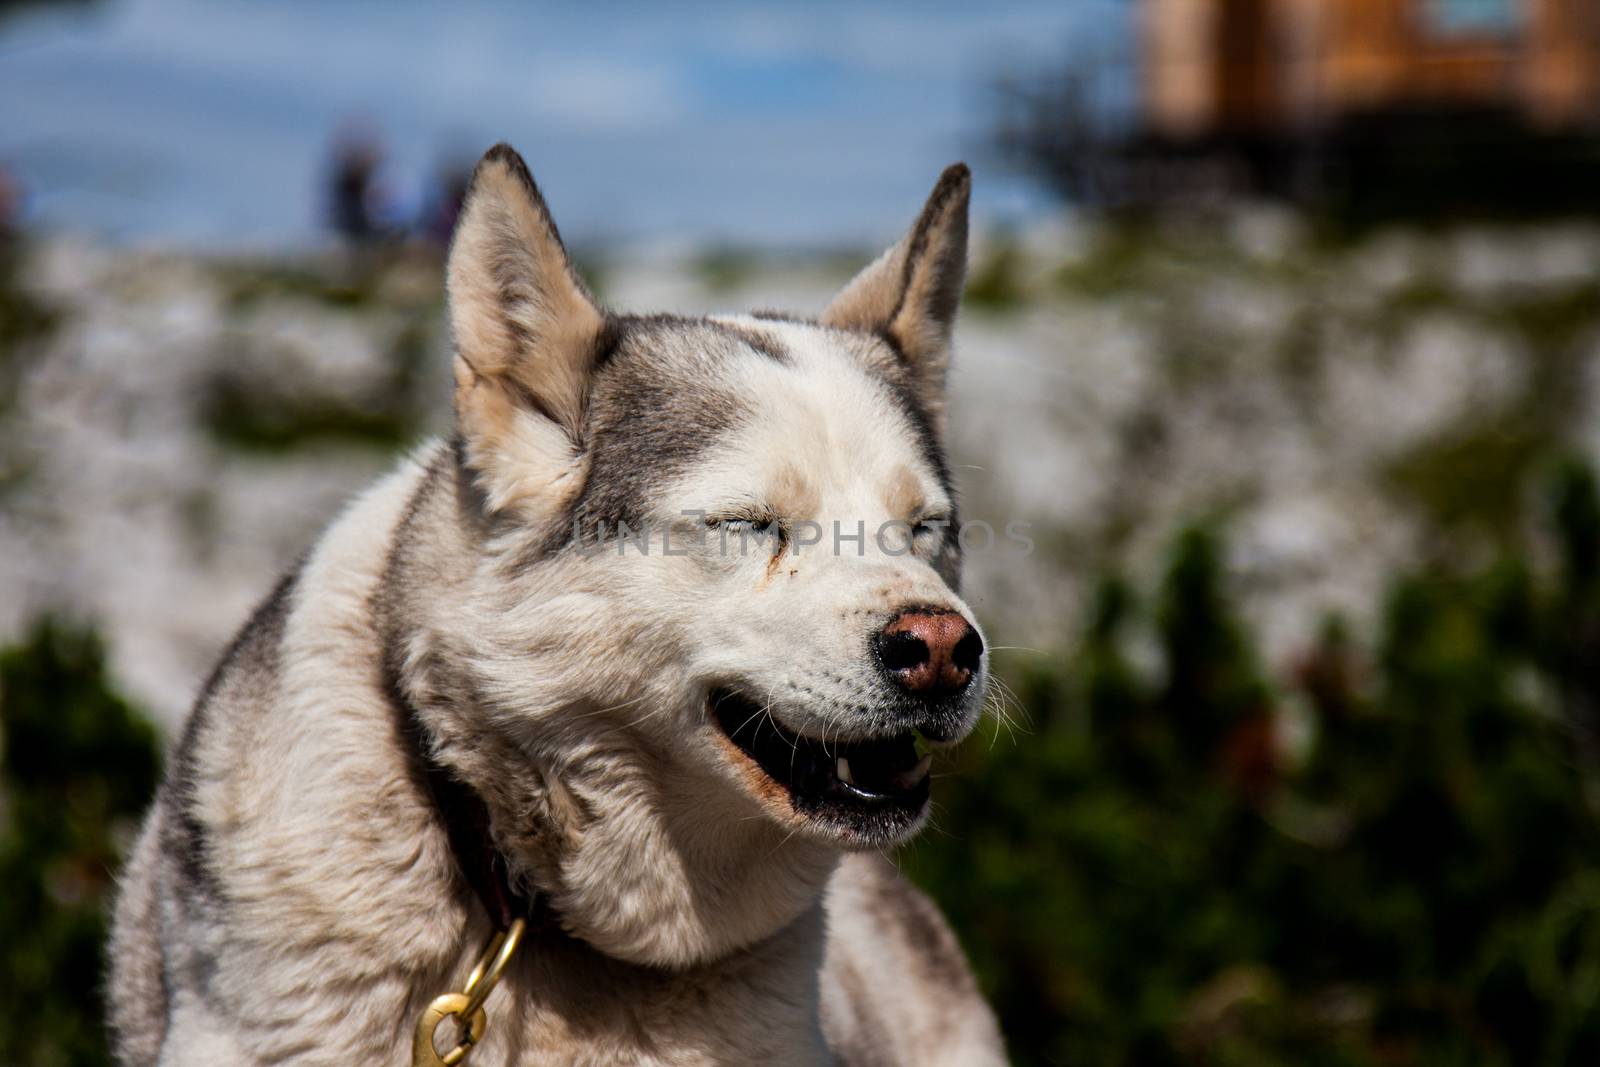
[910, 293]
[526, 336]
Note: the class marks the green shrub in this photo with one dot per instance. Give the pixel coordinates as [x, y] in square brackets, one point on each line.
[77, 767]
[1153, 876]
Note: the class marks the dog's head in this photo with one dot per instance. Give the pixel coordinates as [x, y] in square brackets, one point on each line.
[729, 541]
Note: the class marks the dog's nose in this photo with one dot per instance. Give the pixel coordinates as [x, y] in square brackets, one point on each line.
[930, 653]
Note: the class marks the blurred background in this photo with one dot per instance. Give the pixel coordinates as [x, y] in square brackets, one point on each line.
[1283, 330]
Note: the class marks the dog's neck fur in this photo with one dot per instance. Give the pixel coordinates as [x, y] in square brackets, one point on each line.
[642, 876]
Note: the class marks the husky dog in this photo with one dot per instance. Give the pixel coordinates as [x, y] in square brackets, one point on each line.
[632, 640]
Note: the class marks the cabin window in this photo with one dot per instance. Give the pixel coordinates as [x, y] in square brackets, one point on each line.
[1473, 16]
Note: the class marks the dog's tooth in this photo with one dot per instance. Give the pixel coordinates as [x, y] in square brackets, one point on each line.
[907, 779]
[843, 770]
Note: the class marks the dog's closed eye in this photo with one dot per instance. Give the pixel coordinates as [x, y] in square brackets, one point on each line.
[928, 530]
[748, 524]
[760, 526]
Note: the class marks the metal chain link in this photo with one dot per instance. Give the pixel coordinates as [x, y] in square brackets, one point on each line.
[466, 1005]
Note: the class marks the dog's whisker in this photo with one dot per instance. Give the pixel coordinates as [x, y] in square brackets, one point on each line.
[752, 717]
[605, 711]
[794, 747]
[1004, 718]
[1003, 699]
[786, 838]
[641, 720]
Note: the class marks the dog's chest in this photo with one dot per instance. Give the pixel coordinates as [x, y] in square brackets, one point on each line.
[762, 1009]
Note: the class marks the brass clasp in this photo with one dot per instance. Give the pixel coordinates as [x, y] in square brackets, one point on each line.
[467, 1005]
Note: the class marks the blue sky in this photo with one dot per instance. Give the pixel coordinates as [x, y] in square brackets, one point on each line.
[207, 121]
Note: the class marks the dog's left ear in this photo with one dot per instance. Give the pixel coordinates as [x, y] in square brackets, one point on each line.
[526, 333]
[910, 294]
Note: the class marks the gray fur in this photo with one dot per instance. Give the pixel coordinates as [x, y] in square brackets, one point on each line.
[293, 896]
[656, 405]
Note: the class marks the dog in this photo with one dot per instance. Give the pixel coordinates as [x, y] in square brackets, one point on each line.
[637, 659]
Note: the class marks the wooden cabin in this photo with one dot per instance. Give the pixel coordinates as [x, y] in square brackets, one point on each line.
[1258, 68]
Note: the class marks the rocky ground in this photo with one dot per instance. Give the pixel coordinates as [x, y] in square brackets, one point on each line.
[175, 429]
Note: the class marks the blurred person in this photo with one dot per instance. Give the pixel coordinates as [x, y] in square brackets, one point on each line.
[11, 197]
[355, 200]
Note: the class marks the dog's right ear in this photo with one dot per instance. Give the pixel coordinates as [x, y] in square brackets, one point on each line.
[526, 334]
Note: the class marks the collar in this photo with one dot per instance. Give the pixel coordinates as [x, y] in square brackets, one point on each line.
[482, 866]
[466, 823]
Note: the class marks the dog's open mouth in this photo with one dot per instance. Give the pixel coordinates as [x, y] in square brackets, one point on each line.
[883, 781]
